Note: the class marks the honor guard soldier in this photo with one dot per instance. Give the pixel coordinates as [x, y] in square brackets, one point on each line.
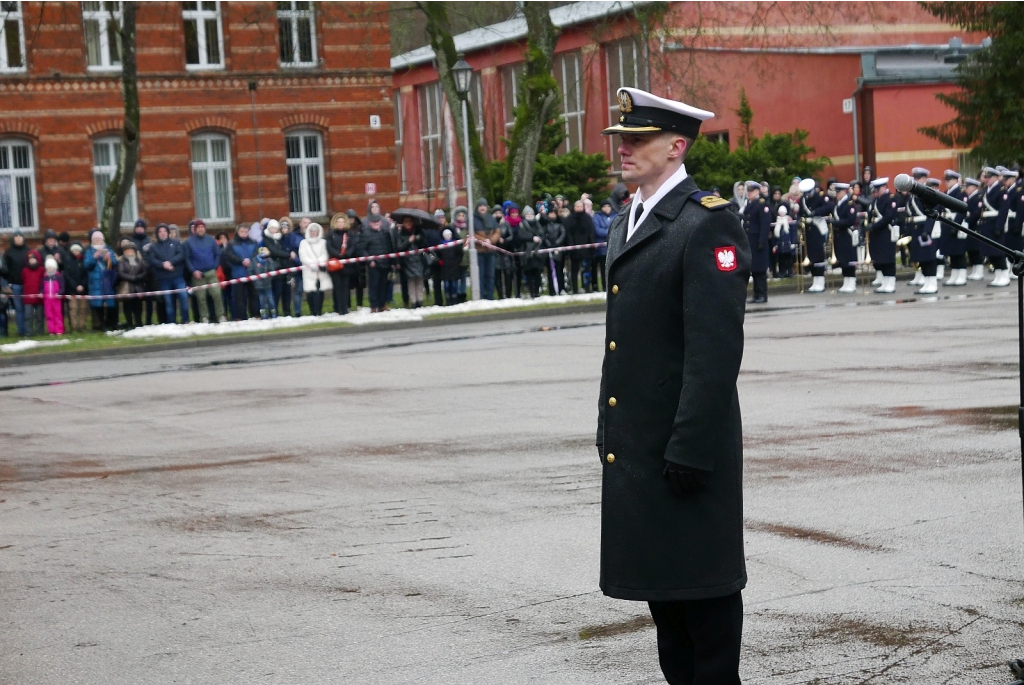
[1009, 210]
[990, 227]
[924, 244]
[955, 242]
[814, 207]
[911, 220]
[845, 236]
[757, 223]
[884, 231]
[669, 434]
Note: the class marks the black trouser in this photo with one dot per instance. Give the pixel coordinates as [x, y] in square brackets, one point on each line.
[576, 262]
[886, 269]
[360, 283]
[378, 287]
[699, 640]
[975, 257]
[503, 280]
[597, 269]
[435, 276]
[132, 311]
[849, 271]
[817, 270]
[553, 283]
[928, 268]
[404, 282]
[760, 285]
[957, 261]
[786, 264]
[533, 281]
[316, 302]
[244, 295]
[341, 295]
[997, 262]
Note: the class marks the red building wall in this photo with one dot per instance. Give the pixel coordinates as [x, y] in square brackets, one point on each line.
[61, 107]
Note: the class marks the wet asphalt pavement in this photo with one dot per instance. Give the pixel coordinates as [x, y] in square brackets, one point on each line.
[421, 506]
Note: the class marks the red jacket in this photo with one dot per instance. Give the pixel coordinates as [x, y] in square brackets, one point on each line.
[32, 280]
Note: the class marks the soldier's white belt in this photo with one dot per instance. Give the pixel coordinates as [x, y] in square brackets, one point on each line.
[990, 213]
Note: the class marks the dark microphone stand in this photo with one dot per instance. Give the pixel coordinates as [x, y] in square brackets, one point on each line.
[1016, 259]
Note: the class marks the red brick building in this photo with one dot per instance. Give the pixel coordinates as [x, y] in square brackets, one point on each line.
[861, 77]
[248, 109]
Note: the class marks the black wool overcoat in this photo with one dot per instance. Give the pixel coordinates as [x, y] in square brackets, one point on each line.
[673, 346]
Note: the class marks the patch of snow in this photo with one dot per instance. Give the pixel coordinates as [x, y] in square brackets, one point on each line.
[23, 345]
[360, 317]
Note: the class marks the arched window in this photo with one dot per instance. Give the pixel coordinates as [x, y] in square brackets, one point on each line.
[105, 153]
[305, 159]
[17, 187]
[211, 177]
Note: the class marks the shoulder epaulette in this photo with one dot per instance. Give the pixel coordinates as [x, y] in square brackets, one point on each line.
[709, 200]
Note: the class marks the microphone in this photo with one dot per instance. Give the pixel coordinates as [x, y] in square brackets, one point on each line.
[905, 184]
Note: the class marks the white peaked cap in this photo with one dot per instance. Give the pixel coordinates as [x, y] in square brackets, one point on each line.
[879, 182]
[642, 112]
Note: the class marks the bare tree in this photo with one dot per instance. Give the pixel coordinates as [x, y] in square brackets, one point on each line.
[536, 105]
[121, 183]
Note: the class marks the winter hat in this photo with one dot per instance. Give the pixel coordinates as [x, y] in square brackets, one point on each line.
[33, 255]
[263, 252]
[127, 245]
[50, 233]
[63, 237]
[439, 213]
[140, 224]
[446, 234]
[51, 265]
[273, 228]
[528, 213]
[318, 229]
[373, 218]
[482, 202]
[75, 248]
[285, 221]
[352, 214]
[195, 223]
[782, 210]
[96, 239]
[334, 220]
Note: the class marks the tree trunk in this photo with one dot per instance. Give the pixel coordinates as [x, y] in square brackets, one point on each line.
[441, 40]
[121, 184]
[536, 104]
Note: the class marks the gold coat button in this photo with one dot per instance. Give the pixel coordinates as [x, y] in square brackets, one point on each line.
[610, 458]
[611, 346]
[615, 290]
[612, 402]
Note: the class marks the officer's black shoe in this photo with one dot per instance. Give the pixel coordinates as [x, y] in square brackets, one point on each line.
[759, 300]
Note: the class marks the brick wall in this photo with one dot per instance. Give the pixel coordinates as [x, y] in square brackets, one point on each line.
[61, 107]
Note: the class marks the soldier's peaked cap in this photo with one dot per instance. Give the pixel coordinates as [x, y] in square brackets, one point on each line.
[879, 182]
[990, 171]
[972, 182]
[932, 182]
[919, 171]
[949, 174]
[642, 112]
[841, 186]
[752, 185]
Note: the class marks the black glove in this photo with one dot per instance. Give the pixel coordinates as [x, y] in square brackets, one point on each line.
[684, 479]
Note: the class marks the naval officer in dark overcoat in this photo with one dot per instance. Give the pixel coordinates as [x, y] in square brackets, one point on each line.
[669, 434]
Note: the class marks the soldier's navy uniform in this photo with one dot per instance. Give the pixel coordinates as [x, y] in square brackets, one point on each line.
[846, 238]
[990, 227]
[757, 224]
[956, 241]
[884, 230]
[814, 210]
[669, 432]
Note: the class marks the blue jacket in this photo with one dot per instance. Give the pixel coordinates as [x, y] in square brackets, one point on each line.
[101, 279]
[238, 251]
[291, 242]
[161, 251]
[601, 224]
[201, 254]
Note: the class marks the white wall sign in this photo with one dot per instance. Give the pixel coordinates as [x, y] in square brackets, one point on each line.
[374, 121]
[371, 188]
[848, 106]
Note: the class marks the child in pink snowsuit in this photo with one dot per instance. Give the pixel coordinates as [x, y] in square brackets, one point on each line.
[53, 305]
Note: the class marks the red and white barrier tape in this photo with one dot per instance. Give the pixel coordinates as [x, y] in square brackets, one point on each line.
[294, 269]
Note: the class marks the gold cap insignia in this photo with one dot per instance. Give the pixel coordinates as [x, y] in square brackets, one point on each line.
[625, 102]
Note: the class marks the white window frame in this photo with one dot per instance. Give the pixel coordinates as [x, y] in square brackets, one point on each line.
[103, 17]
[615, 62]
[294, 15]
[14, 188]
[209, 169]
[99, 170]
[201, 16]
[510, 93]
[8, 15]
[476, 99]
[431, 151]
[569, 74]
[304, 163]
[399, 139]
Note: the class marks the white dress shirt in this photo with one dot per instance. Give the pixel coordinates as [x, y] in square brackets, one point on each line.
[649, 205]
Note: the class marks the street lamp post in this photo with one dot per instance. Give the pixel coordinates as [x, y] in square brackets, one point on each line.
[463, 74]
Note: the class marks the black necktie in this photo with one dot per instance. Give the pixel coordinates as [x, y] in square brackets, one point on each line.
[639, 213]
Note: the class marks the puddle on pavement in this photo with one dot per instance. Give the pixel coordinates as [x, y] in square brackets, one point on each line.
[620, 628]
[11, 473]
[987, 418]
[809, 534]
[877, 634]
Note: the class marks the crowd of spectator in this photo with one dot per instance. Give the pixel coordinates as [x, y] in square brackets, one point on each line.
[144, 279]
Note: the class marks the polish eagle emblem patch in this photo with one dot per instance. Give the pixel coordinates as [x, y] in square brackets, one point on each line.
[725, 258]
[625, 102]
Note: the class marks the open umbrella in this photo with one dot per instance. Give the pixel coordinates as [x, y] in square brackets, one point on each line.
[417, 215]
